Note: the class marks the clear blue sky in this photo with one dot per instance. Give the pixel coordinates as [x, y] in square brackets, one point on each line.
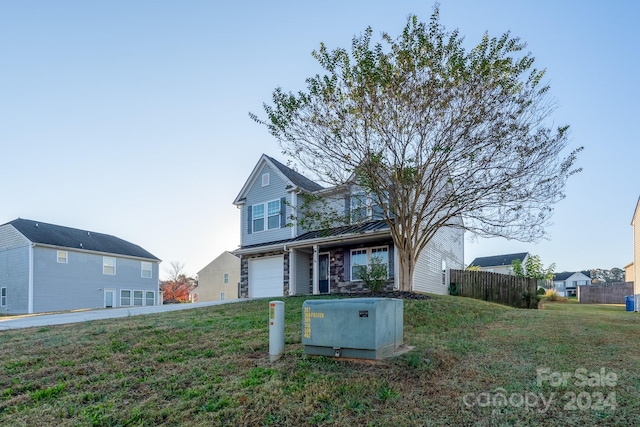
[131, 117]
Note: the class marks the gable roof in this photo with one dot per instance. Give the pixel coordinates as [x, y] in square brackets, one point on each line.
[566, 274]
[635, 211]
[497, 260]
[293, 178]
[73, 238]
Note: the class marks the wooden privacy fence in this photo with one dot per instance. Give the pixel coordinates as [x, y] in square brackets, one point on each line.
[605, 293]
[519, 292]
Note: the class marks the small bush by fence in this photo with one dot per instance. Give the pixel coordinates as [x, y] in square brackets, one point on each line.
[605, 293]
[519, 292]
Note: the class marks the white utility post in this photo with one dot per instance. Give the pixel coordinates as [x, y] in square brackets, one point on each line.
[276, 330]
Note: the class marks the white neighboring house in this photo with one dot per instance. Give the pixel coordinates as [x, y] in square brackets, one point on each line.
[219, 280]
[566, 283]
[499, 263]
[279, 257]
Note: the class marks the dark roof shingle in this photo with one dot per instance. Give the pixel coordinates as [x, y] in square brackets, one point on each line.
[296, 177]
[496, 260]
[73, 238]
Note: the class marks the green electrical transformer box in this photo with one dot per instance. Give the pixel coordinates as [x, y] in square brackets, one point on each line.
[361, 328]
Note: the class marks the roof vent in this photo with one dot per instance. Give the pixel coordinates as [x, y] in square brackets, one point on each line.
[88, 233]
[36, 225]
[80, 244]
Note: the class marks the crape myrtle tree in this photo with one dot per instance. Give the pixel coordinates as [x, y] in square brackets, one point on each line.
[439, 135]
[177, 287]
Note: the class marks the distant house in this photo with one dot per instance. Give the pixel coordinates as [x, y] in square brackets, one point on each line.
[46, 267]
[635, 223]
[629, 272]
[499, 263]
[566, 283]
[281, 256]
[219, 279]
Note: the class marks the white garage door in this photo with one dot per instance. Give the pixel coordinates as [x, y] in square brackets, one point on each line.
[266, 277]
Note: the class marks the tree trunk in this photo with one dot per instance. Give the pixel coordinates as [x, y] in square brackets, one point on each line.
[405, 281]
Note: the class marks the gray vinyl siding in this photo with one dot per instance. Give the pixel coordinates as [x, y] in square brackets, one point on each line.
[80, 283]
[334, 204]
[303, 273]
[14, 275]
[447, 245]
[256, 194]
[11, 238]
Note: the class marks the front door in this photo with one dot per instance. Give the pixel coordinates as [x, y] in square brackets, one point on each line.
[108, 298]
[323, 273]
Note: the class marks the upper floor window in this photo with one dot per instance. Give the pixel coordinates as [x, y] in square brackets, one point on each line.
[267, 216]
[145, 270]
[265, 179]
[108, 265]
[63, 257]
[273, 210]
[365, 207]
[225, 278]
[258, 218]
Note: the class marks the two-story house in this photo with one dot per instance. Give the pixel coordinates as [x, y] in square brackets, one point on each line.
[502, 264]
[566, 283]
[279, 256]
[218, 280]
[46, 267]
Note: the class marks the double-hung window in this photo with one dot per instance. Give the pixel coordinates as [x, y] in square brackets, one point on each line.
[137, 298]
[273, 210]
[145, 270]
[258, 217]
[108, 265]
[150, 298]
[63, 257]
[125, 297]
[3, 297]
[225, 278]
[361, 260]
[266, 216]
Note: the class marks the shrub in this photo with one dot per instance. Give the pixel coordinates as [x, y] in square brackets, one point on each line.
[541, 291]
[375, 275]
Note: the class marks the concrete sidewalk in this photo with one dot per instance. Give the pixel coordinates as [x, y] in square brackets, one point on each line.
[35, 320]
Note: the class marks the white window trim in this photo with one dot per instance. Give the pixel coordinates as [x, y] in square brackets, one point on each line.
[369, 251]
[221, 296]
[225, 278]
[141, 298]
[146, 298]
[130, 297]
[142, 269]
[104, 258]
[265, 216]
[266, 179]
[66, 257]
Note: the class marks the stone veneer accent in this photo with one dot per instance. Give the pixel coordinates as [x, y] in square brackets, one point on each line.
[244, 271]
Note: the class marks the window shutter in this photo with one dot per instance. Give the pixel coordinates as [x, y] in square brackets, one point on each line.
[347, 209]
[346, 265]
[283, 212]
[392, 262]
[249, 218]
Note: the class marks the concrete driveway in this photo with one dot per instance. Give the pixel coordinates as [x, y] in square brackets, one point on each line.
[36, 320]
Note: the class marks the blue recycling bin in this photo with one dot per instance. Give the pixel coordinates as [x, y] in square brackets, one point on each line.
[629, 302]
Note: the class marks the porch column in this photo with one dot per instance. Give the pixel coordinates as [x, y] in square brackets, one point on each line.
[292, 272]
[316, 272]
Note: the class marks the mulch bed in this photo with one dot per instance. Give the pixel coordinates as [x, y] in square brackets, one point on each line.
[390, 294]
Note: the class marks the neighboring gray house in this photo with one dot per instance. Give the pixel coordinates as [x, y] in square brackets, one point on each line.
[566, 283]
[46, 267]
[279, 257]
[499, 263]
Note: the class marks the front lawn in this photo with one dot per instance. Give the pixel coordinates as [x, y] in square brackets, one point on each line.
[474, 363]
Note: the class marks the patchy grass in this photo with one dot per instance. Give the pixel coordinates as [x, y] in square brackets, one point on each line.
[210, 366]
